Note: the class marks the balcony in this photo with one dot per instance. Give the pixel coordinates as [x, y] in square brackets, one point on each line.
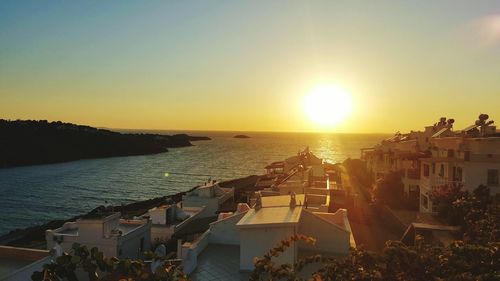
[433, 182]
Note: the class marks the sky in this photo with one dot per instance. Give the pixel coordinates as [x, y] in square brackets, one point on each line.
[248, 65]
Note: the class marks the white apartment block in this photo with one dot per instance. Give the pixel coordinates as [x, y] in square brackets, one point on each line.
[440, 156]
[113, 236]
[226, 251]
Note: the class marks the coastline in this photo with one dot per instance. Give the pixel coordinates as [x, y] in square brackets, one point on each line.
[34, 236]
[31, 142]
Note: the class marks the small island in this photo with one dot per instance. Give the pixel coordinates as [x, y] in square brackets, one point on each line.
[241, 137]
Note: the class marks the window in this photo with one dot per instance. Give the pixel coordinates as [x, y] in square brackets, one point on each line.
[441, 171]
[426, 170]
[424, 201]
[467, 155]
[457, 173]
[493, 177]
[433, 168]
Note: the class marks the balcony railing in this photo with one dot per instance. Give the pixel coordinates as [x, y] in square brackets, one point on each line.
[437, 181]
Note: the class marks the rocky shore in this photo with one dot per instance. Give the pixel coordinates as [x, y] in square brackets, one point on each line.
[34, 236]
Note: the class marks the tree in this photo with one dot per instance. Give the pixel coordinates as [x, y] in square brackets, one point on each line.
[422, 262]
[93, 263]
[389, 190]
[358, 170]
[444, 196]
[475, 212]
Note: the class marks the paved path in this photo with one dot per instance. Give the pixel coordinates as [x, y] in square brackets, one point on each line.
[368, 228]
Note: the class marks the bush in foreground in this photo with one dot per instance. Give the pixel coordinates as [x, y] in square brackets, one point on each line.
[422, 262]
[96, 266]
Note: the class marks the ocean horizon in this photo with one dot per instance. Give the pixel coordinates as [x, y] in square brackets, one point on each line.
[37, 194]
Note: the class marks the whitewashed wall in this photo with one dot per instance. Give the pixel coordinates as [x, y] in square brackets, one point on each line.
[255, 242]
[329, 238]
[225, 231]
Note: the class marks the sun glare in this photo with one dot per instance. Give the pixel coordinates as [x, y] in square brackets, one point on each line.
[327, 105]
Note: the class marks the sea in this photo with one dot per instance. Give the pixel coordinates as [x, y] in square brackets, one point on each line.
[34, 195]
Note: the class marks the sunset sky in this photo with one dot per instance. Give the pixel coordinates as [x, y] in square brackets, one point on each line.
[248, 65]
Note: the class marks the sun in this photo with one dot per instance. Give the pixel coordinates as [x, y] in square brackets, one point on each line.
[328, 105]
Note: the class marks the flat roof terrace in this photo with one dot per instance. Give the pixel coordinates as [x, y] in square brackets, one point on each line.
[11, 264]
[280, 200]
[127, 226]
[13, 259]
[219, 263]
[271, 216]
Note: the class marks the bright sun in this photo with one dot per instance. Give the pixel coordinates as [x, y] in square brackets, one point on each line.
[327, 105]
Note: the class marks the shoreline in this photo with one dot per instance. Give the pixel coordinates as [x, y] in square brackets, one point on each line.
[191, 139]
[38, 142]
[34, 236]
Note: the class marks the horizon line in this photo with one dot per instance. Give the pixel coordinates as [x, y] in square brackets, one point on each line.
[247, 131]
[204, 130]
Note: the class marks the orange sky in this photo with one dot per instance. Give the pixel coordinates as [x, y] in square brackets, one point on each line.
[247, 66]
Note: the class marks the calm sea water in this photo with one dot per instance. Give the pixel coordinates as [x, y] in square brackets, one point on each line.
[37, 194]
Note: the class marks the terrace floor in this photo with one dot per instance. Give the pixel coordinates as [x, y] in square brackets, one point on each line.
[219, 262]
[9, 265]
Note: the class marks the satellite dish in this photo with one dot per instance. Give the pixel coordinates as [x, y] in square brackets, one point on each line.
[161, 250]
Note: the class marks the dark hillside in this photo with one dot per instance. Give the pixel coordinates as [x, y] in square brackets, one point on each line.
[27, 142]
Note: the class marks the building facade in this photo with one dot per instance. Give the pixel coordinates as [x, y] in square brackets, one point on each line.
[439, 156]
[113, 236]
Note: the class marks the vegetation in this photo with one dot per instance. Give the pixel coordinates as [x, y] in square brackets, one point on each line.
[357, 169]
[477, 257]
[95, 266]
[477, 212]
[389, 190]
[422, 262]
[39, 142]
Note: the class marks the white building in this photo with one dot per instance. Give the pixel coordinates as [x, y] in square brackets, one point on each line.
[466, 159]
[18, 264]
[209, 196]
[169, 219]
[439, 156]
[227, 249]
[110, 234]
[384, 157]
